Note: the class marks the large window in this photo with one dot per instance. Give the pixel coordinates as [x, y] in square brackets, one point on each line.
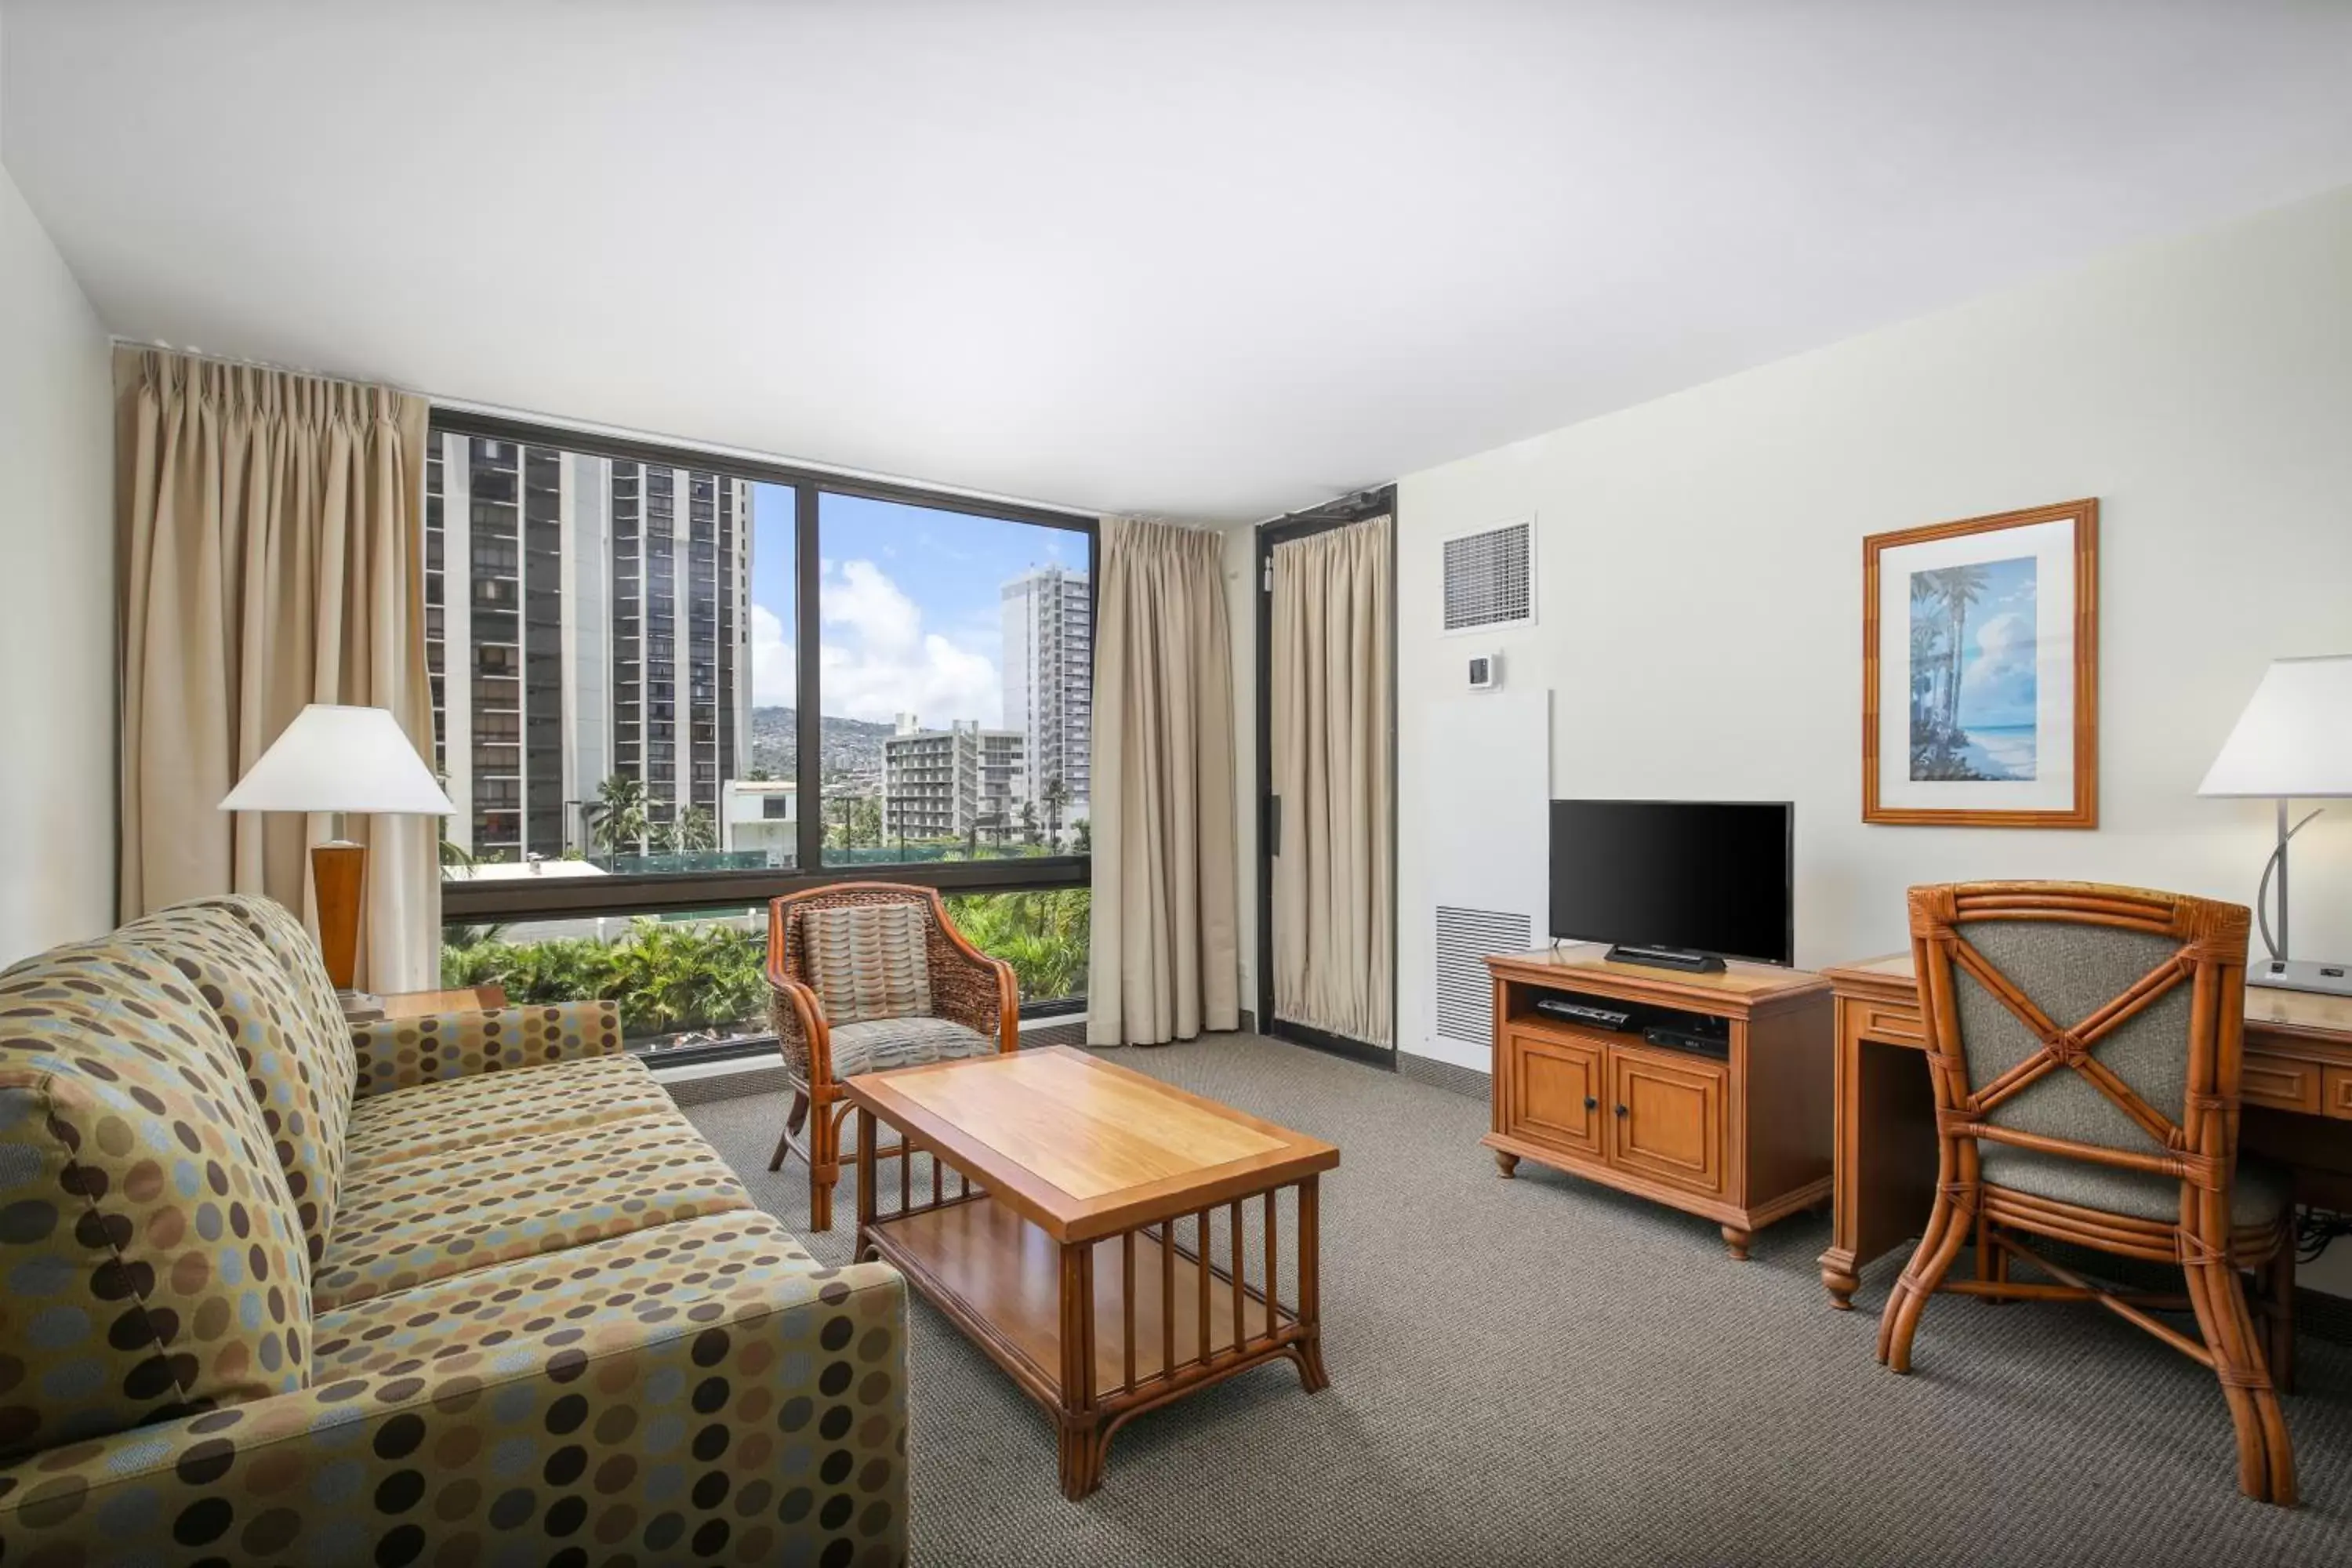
[957, 684]
[667, 686]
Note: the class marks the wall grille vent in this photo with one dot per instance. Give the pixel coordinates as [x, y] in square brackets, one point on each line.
[1490, 578]
[1465, 991]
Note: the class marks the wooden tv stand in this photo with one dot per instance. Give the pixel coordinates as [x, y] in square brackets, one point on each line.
[1742, 1138]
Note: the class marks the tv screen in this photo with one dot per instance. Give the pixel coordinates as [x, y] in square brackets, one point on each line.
[1709, 876]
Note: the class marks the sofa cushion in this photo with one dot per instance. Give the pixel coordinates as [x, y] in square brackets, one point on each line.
[447, 1047]
[435, 1118]
[664, 1275]
[297, 1061]
[870, 961]
[150, 1254]
[885, 1043]
[407, 1223]
[699, 1394]
[327, 1037]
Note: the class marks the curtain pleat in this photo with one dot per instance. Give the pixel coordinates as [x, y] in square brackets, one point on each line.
[272, 535]
[1334, 908]
[1165, 960]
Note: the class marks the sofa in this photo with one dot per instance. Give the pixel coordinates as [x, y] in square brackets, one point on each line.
[456, 1288]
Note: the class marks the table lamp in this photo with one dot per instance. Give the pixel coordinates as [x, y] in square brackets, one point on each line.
[2293, 739]
[340, 761]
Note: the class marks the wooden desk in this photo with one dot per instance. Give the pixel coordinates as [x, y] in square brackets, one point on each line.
[2297, 1088]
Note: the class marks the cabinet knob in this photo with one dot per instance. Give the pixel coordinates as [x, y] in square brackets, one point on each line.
[1590, 1103]
[1624, 1110]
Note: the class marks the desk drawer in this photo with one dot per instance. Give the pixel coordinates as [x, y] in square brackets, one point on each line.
[1891, 1021]
[2337, 1093]
[2283, 1083]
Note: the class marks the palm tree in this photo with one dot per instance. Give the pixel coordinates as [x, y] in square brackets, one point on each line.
[1960, 586]
[616, 817]
[1058, 795]
[694, 831]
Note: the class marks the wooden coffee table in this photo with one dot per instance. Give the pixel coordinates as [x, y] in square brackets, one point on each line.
[1073, 1223]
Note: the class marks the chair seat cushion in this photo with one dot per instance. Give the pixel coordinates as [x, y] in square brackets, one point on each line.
[486, 1108]
[407, 1223]
[880, 1044]
[2259, 1194]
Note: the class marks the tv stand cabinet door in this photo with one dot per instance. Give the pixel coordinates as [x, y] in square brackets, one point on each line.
[1554, 1092]
[1667, 1119]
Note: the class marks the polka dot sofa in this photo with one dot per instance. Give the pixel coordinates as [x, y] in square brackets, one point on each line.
[458, 1290]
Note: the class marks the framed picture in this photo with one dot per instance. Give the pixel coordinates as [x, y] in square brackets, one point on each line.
[1980, 671]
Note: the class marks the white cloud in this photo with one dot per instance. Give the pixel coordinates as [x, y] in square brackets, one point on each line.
[2000, 682]
[2006, 640]
[878, 661]
[771, 661]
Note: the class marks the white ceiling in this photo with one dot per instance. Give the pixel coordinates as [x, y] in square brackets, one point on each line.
[1205, 261]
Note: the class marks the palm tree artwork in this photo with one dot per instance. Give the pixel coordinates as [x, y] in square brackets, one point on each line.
[1942, 673]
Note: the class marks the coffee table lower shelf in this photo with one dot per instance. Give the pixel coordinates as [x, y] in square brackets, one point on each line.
[1100, 1331]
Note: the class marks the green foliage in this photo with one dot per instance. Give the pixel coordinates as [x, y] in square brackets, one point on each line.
[1042, 935]
[673, 976]
[856, 820]
[666, 977]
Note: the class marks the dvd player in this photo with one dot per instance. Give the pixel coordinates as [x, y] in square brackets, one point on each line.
[1610, 1018]
[1675, 1038]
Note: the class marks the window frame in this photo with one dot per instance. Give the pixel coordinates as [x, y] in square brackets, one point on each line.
[674, 892]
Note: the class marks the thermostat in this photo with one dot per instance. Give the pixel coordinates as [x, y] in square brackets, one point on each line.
[1486, 671]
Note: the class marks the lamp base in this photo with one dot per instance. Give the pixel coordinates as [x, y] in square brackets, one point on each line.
[338, 879]
[2301, 974]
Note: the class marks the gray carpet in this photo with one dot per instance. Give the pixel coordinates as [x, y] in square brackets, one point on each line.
[1542, 1372]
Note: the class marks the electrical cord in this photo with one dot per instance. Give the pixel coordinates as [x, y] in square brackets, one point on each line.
[2315, 1229]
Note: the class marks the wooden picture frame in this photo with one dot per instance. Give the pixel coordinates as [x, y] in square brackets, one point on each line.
[2026, 673]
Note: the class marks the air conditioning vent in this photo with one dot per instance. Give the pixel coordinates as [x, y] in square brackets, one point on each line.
[1465, 991]
[1490, 578]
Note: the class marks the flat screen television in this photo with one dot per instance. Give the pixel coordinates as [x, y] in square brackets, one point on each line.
[1680, 884]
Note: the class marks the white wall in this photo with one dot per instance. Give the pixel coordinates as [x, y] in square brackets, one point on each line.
[57, 636]
[1699, 571]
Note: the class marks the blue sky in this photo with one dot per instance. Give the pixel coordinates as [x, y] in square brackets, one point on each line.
[1997, 671]
[910, 597]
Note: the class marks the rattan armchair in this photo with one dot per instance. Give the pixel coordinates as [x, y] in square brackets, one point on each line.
[2084, 1046]
[964, 1004]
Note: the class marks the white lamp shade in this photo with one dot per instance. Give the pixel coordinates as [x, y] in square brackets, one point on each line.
[2294, 738]
[340, 759]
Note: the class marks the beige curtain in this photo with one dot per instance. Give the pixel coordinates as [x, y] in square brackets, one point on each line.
[272, 550]
[1166, 956]
[1334, 891]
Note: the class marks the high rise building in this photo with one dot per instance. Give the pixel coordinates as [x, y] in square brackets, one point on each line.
[682, 705]
[943, 784]
[575, 630]
[1048, 623]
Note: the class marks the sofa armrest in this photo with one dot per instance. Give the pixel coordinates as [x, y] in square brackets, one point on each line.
[400, 1053]
[768, 1424]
